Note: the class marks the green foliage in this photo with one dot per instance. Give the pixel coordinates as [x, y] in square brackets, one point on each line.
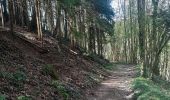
[50, 70]
[106, 26]
[17, 78]
[61, 89]
[110, 66]
[148, 90]
[103, 7]
[69, 3]
[2, 97]
[6, 75]
[23, 98]
[47, 69]
[78, 35]
[138, 69]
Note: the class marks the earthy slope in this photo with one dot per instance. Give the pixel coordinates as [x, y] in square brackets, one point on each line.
[25, 66]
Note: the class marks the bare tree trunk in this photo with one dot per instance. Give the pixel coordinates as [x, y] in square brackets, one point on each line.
[11, 14]
[141, 21]
[155, 59]
[25, 13]
[1, 14]
[125, 30]
[37, 9]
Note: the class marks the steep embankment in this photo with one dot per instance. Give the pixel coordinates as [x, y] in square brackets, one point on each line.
[49, 73]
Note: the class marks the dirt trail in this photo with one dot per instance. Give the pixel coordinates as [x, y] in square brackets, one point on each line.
[117, 87]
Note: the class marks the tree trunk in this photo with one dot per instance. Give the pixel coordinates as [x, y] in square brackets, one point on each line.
[25, 13]
[141, 21]
[1, 15]
[37, 9]
[11, 14]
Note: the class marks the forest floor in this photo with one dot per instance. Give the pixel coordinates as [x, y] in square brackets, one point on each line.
[117, 86]
[55, 71]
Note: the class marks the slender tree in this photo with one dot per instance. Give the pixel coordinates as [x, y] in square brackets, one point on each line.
[37, 9]
[11, 14]
[141, 21]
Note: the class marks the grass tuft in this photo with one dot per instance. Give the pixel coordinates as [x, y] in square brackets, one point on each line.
[110, 66]
[61, 89]
[2, 97]
[50, 70]
[146, 89]
[23, 98]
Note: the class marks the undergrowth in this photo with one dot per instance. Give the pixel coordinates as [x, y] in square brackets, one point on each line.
[109, 66]
[2, 97]
[50, 70]
[146, 89]
[23, 98]
[66, 91]
[61, 89]
[16, 79]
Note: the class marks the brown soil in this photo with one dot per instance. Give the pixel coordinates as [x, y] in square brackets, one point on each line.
[74, 71]
[117, 87]
[77, 73]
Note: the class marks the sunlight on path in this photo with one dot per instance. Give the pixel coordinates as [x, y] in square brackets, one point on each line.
[117, 87]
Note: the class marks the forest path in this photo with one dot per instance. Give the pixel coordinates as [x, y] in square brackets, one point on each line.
[117, 87]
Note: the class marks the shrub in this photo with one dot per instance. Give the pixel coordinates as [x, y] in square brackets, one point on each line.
[61, 89]
[18, 78]
[2, 97]
[146, 89]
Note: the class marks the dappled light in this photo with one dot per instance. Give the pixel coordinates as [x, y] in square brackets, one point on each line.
[84, 49]
[117, 86]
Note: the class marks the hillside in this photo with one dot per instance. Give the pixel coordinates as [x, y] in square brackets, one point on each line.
[26, 71]
[84, 49]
